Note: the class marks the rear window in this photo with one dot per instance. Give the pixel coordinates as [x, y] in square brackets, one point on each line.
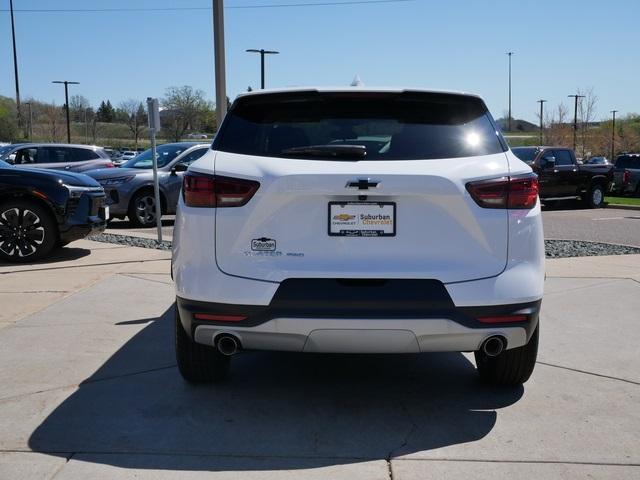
[627, 161]
[526, 154]
[84, 154]
[380, 126]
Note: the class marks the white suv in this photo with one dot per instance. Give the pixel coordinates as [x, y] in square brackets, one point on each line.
[358, 221]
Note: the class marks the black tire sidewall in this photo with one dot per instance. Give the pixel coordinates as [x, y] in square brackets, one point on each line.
[51, 237]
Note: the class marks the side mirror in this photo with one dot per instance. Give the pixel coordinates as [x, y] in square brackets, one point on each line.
[179, 167]
[11, 158]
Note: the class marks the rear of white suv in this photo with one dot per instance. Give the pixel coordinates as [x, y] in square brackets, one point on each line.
[358, 221]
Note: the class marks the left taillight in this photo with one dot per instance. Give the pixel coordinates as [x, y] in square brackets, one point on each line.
[214, 191]
[518, 192]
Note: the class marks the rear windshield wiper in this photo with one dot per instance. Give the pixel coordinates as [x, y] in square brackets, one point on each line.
[344, 151]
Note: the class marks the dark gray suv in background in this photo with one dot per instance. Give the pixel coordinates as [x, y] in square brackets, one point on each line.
[59, 156]
[130, 188]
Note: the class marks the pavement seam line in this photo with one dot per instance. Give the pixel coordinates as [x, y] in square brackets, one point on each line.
[589, 373]
[59, 469]
[536, 462]
[308, 457]
[134, 276]
[124, 262]
[85, 382]
[594, 278]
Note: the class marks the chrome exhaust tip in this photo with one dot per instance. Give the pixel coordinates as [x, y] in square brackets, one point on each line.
[494, 346]
[227, 344]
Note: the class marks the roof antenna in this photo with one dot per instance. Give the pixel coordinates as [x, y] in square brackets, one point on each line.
[357, 82]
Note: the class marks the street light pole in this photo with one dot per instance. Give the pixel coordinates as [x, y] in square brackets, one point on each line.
[541, 102]
[29, 128]
[262, 53]
[15, 65]
[575, 119]
[219, 60]
[509, 118]
[66, 100]
[613, 134]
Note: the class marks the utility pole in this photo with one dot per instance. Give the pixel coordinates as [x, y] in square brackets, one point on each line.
[509, 118]
[541, 102]
[219, 60]
[29, 127]
[613, 134]
[66, 101]
[15, 65]
[575, 119]
[262, 53]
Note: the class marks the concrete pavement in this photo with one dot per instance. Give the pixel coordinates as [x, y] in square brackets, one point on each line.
[89, 389]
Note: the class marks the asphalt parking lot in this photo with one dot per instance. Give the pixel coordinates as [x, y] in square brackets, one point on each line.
[95, 393]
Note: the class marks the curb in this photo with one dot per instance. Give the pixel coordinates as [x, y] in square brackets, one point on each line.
[624, 207]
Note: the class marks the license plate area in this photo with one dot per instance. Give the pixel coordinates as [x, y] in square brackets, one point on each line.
[362, 219]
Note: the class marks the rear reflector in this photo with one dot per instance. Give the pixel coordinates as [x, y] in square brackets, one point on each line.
[503, 319]
[519, 192]
[218, 318]
[213, 191]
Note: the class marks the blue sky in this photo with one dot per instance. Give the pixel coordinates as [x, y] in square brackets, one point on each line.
[559, 46]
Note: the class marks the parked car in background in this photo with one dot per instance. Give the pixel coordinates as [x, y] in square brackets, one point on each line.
[44, 209]
[301, 231]
[199, 136]
[129, 188]
[128, 155]
[59, 156]
[561, 177]
[626, 174]
[598, 161]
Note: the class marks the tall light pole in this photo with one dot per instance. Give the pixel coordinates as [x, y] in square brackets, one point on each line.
[66, 101]
[262, 53]
[29, 128]
[219, 61]
[575, 119]
[613, 134]
[541, 102]
[15, 65]
[510, 54]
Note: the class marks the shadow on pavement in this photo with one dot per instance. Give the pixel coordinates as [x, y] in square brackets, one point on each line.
[64, 254]
[295, 409]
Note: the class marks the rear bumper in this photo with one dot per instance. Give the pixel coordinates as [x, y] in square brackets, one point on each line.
[295, 321]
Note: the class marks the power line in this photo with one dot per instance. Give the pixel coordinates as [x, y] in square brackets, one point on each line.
[174, 9]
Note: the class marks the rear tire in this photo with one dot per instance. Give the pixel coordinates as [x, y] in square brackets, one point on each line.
[595, 196]
[28, 231]
[198, 363]
[512, 367]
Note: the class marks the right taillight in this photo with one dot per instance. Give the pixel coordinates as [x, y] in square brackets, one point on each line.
[520, 192]
[626, 177]
[200, 190]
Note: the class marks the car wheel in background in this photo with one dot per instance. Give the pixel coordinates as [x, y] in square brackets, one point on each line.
[198, 363]
[595, 196]
[512, 367]
[27, 231]
[142, 209]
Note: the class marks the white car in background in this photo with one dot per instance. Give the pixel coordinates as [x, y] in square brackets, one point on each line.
[359, 221]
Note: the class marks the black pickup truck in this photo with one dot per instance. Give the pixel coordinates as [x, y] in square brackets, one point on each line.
[562, 177]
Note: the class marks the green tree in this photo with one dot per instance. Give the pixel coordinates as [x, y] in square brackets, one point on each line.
[8, 119]
[106, 112]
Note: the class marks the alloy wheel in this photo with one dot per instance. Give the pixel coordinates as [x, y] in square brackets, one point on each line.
[146, 209]
[21, 232]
